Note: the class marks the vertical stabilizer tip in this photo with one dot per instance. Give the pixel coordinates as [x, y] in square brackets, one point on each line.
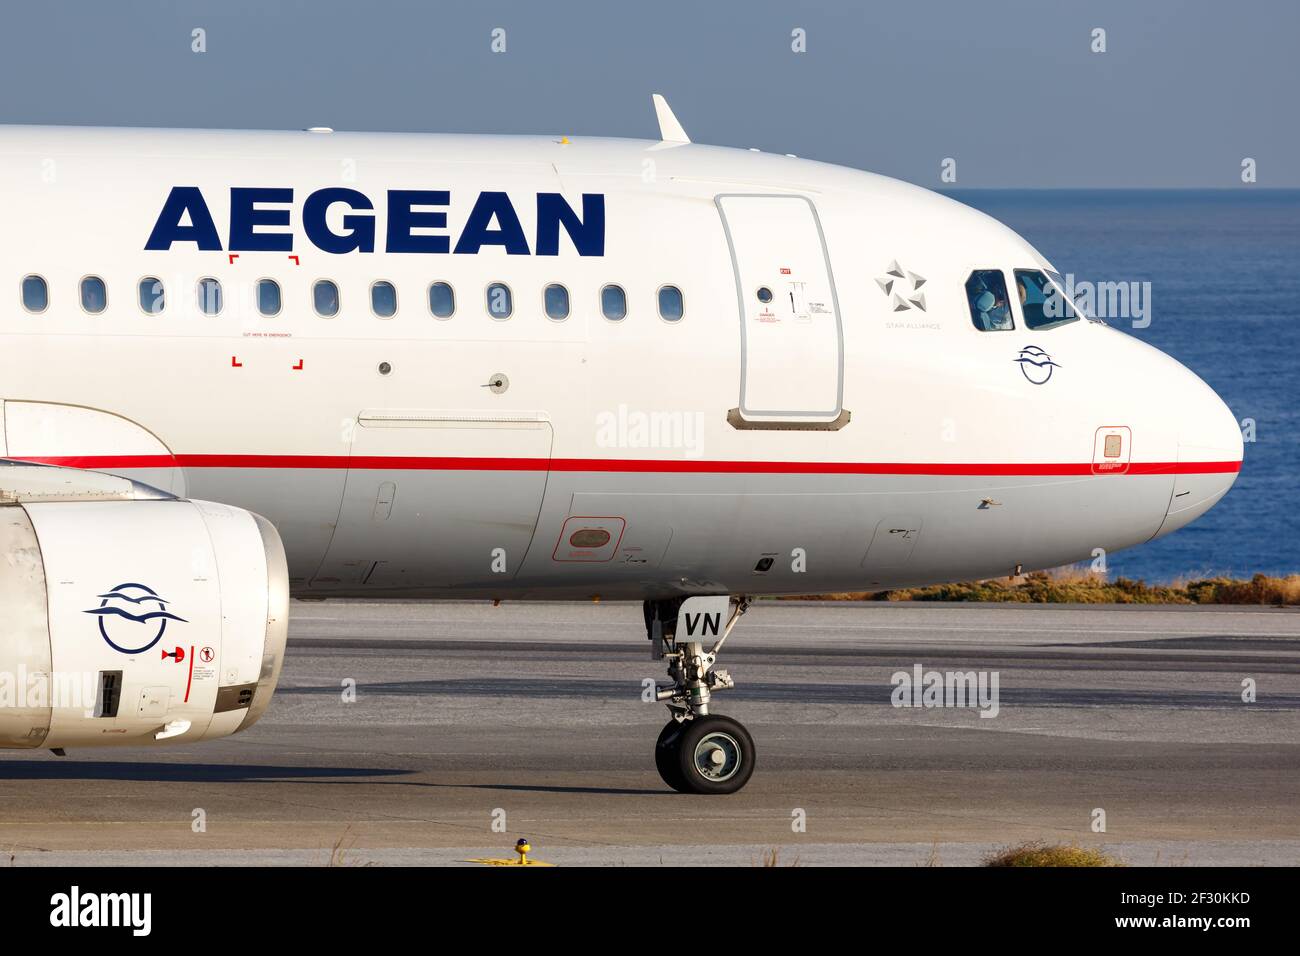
[670, 131]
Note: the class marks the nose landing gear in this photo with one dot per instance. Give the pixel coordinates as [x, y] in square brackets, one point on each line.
[697, 752]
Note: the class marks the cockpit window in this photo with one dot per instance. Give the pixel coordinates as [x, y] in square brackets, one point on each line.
[1043, 302]
[986, 290]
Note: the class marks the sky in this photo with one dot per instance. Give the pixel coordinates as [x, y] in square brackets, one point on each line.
[1012, 90]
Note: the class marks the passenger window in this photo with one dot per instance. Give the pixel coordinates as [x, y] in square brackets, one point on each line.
[499, 304]
[325, 298]
[151, 296]
[383, 300]
[209, 291]
[442, 300]
[671, 308]
[986, 290]
[1043, 303]
[94, 295]
[268, 297]
[557, 302]
[36, 294]
[613, 303]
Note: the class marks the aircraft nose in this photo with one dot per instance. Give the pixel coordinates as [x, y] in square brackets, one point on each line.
[1210, 451]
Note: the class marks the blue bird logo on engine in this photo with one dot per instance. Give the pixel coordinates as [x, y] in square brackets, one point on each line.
[1036, 364]
[133, 617]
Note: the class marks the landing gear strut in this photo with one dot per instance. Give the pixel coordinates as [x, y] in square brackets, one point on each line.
[697, 752]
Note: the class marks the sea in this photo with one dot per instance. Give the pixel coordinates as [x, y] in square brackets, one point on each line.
[1224, 274]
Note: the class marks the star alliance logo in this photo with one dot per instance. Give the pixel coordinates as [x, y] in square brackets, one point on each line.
[127, 615]
[893, 283]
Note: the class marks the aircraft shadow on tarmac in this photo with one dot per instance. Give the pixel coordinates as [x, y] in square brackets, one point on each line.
[258, 773]
[182, 773]
[539, 788]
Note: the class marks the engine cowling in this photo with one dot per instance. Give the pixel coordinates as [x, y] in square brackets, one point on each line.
[131, 622]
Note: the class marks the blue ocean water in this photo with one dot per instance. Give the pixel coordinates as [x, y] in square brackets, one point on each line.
[1224, 268]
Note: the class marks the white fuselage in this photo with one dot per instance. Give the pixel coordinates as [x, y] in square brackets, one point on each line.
[852, 430]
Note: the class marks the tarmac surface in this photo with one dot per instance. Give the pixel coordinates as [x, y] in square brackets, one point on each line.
[473, 725]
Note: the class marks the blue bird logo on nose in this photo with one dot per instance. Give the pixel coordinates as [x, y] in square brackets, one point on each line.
[1036, 364]
[128, 613]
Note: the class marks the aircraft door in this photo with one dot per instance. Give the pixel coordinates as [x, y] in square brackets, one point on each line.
[792, 362]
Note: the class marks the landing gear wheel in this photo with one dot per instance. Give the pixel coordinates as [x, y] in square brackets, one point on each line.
[697, 752]
[666, 761]
[715, 754]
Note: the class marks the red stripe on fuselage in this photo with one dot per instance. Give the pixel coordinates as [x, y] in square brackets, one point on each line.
[651, 466]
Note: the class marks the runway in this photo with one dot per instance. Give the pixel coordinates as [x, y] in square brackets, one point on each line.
[474, 725]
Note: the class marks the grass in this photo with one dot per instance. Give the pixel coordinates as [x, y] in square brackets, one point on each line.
[771, 857]
[1074, 586]
[342, 847]
[1041, 854]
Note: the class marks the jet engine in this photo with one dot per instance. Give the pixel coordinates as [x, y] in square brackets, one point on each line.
[131, 616]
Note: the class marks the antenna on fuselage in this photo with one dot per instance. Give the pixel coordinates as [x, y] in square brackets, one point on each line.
[670, 131]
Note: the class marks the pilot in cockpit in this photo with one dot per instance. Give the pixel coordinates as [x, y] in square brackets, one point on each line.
[994, 314]
[990, 311]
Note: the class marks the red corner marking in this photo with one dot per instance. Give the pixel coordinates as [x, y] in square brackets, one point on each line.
[298, 367]
[295, 260]
[233, 256]
[235, 363]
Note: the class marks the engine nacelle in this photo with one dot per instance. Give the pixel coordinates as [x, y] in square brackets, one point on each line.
[129, 622]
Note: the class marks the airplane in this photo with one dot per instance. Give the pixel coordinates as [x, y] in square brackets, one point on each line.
[244, 366]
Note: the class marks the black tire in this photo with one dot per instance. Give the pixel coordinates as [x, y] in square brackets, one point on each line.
[666, 761]
[706, 739]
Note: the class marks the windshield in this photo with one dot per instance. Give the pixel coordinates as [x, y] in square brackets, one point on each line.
[1043, 299]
